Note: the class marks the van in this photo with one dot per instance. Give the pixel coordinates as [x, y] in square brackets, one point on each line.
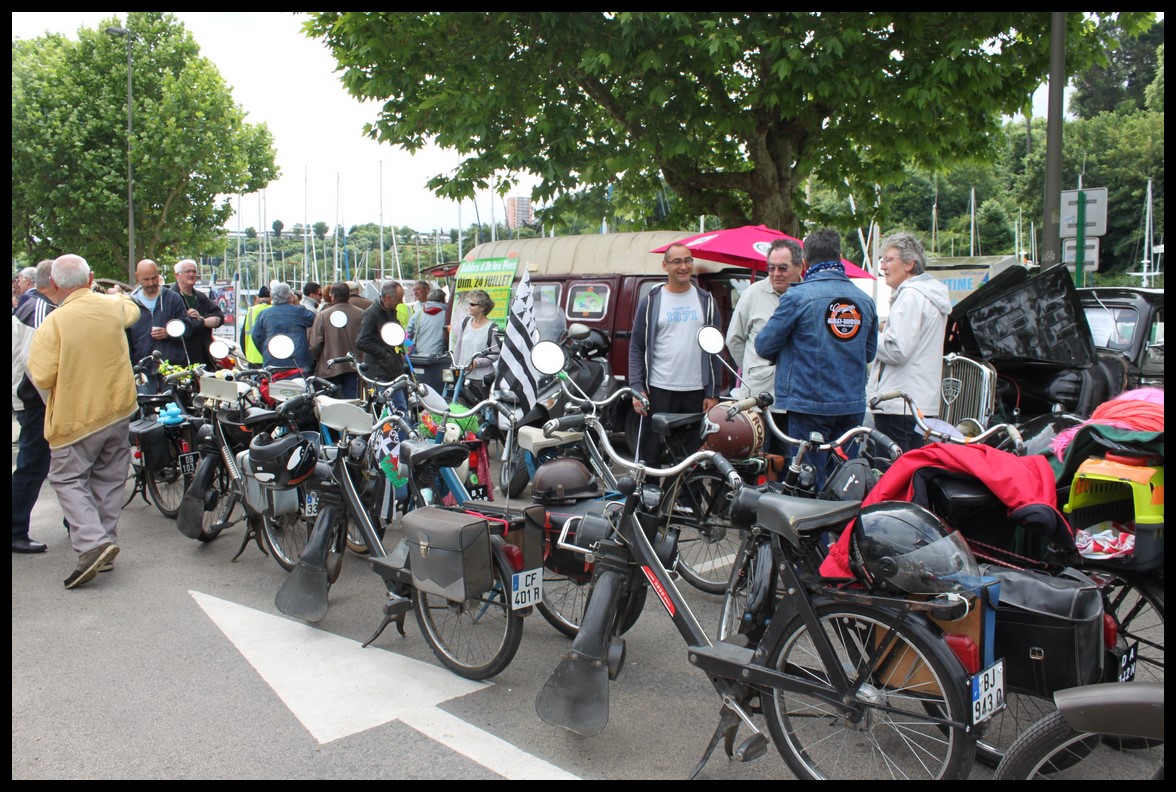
[597, 280]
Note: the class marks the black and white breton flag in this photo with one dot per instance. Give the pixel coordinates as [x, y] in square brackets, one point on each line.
[514, 366]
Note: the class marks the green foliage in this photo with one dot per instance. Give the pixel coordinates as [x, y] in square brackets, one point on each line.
[1154, 94]
[191, 146]
[278, 225]
[730, 113]
[1119, 84]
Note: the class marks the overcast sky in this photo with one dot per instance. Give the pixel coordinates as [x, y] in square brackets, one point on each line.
[330, 171]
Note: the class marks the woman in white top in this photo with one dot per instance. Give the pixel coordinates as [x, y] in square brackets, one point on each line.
[475, 341]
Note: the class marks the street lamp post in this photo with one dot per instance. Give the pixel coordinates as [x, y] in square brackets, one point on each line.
[119, 32]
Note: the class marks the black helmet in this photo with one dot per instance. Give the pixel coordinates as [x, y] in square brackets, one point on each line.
[901, 548]
[283, 462]
[562, 481]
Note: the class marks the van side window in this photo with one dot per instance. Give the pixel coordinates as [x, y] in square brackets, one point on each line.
[587, 301]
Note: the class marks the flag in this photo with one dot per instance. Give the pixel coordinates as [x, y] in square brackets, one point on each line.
[514, 365]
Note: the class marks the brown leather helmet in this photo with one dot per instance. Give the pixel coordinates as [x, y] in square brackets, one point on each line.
[562, 481]
[740, 437]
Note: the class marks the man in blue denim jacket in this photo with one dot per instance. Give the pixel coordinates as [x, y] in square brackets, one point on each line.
[285, 317]
[822, 336]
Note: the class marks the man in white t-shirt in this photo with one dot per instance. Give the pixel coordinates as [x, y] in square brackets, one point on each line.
[666, 364]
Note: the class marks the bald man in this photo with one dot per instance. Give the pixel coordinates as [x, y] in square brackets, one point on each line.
[157, 307]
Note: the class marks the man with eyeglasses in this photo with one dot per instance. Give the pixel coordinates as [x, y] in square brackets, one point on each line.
[200, 309]
[910, 348]
[756, 305]
[666, 364]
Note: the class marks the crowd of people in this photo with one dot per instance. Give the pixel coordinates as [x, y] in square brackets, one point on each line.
[72, 340]
[805, 333]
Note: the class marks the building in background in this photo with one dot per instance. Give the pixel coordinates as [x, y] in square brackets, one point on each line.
[518, 212]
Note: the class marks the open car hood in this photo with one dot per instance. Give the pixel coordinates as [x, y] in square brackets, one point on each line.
[1023, 317]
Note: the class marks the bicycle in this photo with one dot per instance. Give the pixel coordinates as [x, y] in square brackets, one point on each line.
[852, 661]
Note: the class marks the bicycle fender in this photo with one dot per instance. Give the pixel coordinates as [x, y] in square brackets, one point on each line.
[189, 521]
[1130, 709]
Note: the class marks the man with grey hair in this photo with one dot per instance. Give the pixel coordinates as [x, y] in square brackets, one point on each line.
[26, 281]
[382, 361]
[288, 318]
[201, 310]
[80, 356]
[32, 458]
[910, 347]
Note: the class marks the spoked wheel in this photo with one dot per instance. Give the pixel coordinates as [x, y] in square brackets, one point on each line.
[519, 477]
[1052, 750]
[476, 638]
[708, 542]
[165, 484]
[285, 535]
[356, 542]
[564, 601]
[887, 735]
[736, 616]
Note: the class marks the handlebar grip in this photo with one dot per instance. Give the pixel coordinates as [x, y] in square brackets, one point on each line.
[749, 402]
[887, 396]
[1018, 441]
[328, 386]
[724, 469]
[291, 403]
[567, 423]
[338, 360]
[882, 441]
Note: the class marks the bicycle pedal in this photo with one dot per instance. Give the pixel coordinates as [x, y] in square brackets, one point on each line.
[751, 748]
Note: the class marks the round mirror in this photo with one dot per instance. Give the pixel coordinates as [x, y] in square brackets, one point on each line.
[219, 350]
[176, 327]
[548, 357]
[711, 340]
[338, 319]
[280, 346]
[392, 333]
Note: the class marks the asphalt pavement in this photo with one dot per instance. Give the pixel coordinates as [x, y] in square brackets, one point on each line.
[177, 665]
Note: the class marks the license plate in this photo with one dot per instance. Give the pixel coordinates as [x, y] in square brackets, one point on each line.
[310, 507]
[1127, 663]
[188, 463]
[988, 692]
[526, 588]
[479, 493]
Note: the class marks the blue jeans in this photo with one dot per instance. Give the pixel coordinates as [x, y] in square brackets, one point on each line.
[348, 384]
[830, 427]
[32, 466]
[899, 428]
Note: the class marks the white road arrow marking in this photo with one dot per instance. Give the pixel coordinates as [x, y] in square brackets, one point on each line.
[301, 663]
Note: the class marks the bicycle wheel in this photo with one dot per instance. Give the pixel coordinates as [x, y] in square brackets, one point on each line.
[1052, 750]
[476, 638]
[218, 504]
[564, 601]
[165, 484]
[285, 535]
[1022, 710]
[889, 738]
[735, 616]
[708, 542]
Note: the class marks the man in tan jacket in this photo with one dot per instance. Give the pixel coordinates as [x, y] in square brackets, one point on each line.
[80, 359]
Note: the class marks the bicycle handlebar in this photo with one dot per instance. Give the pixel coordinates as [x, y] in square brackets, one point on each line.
[929, 433]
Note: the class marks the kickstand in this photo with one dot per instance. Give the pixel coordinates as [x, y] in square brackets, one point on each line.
[394, 610]
[251, 532]
[726, 730]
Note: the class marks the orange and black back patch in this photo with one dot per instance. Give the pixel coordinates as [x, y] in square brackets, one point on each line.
[844, 319]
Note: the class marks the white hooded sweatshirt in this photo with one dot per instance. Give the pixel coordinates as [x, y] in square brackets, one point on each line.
[910, 348]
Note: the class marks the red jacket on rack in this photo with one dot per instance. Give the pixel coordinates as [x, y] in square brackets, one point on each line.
[1025, 484]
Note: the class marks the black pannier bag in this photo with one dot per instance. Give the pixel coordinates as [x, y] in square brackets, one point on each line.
[449, 553]
[151, 438]
[1049, 629]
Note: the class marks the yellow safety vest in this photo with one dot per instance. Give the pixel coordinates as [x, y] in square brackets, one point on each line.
[252, 354]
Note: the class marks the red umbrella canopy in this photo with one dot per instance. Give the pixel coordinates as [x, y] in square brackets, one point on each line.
[746, 246]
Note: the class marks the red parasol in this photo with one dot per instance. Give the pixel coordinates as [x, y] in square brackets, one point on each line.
[746, 246]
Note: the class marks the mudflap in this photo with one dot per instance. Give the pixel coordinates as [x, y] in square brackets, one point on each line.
[190, 519]
[304, 594]
[575, 696]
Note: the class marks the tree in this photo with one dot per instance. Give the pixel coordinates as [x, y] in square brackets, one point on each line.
[192, 147]
[1119, 83]
[321, 229]
[1154, 95]
[732, 112]
[277, 225]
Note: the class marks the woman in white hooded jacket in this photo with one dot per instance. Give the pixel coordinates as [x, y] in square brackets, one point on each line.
[910, 346]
